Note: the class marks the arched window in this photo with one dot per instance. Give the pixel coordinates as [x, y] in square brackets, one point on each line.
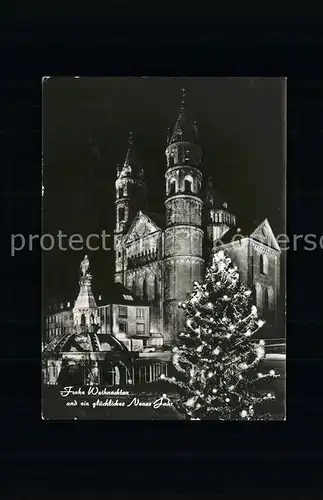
[121, 214]
[258, 295]
[83, 319]
[92, 319]
[188, 184]
[172, 187]
[171, 159]
[120, 193]
[264, 264]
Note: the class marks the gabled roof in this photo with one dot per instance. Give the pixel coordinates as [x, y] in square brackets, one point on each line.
[142, 217]
[256, 231]
[119, 294]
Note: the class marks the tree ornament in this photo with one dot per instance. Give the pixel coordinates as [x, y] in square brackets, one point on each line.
[244, 414]
[260, 351]
[191, 401]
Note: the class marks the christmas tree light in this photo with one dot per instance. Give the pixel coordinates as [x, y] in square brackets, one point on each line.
[216, 359]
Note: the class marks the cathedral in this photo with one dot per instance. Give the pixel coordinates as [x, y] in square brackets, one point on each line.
[159, 256]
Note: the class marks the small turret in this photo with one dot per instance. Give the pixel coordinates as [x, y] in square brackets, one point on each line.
[217, 216]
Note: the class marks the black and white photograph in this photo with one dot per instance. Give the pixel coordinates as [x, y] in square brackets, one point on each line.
[163, 248]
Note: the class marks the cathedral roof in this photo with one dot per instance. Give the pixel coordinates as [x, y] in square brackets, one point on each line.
[132, 166]
[119, 294]
[252, 230]
[212, 197]
[185, 128]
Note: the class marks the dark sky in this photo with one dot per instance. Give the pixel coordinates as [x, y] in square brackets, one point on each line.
[86, 123]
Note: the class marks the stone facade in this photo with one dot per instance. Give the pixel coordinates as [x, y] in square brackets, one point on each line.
[159, 261]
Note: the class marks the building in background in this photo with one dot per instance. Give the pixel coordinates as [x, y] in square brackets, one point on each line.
[159, 256]
[105, 343]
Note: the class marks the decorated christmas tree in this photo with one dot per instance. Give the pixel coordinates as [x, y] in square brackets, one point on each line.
[217, 359]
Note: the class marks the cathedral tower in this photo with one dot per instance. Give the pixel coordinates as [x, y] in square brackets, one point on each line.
[183, 263]
[130, 197]
[218, 218]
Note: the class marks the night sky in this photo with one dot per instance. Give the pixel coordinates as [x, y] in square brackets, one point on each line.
[86, 123]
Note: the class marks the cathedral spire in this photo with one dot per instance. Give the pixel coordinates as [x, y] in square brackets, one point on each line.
[132, 166]
[185, 129]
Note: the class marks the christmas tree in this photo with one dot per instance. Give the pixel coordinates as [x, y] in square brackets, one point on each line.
[216, 359]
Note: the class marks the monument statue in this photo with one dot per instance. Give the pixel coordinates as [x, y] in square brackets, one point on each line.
[84, 267]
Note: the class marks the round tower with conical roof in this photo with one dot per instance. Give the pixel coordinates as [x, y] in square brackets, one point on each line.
[183, 246]
[130, 198]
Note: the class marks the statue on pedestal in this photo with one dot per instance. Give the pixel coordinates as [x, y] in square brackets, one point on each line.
[84, 266]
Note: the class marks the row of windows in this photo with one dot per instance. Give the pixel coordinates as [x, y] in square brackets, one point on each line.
[55, 307]
[222, 218]
[59, 318]
[173, 186]
[123, 312]
[181, 156]
[140, 328]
